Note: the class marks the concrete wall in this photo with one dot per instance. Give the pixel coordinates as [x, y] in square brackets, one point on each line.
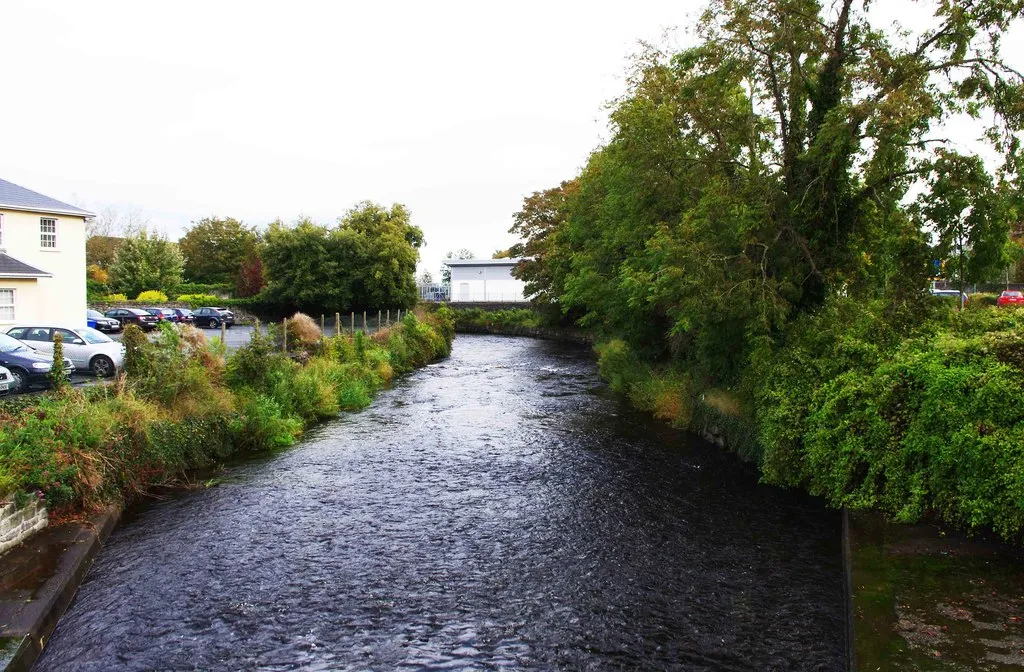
[486, 283]
[16, 525]
[59, 299]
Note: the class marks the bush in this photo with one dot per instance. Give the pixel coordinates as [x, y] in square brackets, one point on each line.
[115, 298]
[152, 296]
[199, 300]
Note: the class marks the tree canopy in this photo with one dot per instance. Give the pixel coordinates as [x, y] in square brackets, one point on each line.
[216, 249]
[145, 261]
[751, 177]
[366, 261]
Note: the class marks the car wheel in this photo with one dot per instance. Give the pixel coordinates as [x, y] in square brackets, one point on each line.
[20, 380]
[214, 324]
[102, 366]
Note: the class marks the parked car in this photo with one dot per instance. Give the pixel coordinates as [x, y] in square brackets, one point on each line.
[6, 381]
[88, 349]
[949, 293]
[27, 366]
[128, 316]
[213, 317]
[185, 315]
[162, 314]
[96, 320]
[1011, 298]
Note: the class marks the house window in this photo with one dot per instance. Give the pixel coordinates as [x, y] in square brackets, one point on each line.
[48, 233]
[6, 305]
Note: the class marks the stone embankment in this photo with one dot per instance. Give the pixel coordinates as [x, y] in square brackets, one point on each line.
[18, 524]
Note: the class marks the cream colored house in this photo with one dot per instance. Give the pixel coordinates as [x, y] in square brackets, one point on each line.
[42, 258]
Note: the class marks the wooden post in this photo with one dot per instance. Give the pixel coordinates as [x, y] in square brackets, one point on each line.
[337, 324]
[224, 336]
[352, 323]
[378, 320]
[284, 335]
[256, 326]
[389, 317]
[399, 318]
[322, 331]
[364, 321]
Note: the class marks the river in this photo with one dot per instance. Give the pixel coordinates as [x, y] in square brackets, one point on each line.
[498, 510]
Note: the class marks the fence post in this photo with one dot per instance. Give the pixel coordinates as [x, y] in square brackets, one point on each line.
[322, 332]
[389, 317]
[224, 336]
[352, 323]
[378, 320]
[337, 324]
[364, 321]
[256, 327]
[284, 335]
[398, 317]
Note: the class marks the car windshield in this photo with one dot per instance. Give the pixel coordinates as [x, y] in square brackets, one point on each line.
[136, 311]
[8, 344]
[1014, 295]
[94, 314]
[94, 337]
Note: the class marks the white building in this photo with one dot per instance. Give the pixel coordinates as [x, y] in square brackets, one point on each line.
[42, 258]
[490, 280]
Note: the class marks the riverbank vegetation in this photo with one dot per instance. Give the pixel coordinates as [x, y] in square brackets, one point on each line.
[183, 405]
[754, 243]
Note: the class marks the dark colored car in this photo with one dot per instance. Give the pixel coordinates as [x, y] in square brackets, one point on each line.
[96, 320]
[27, 366]
[1010, 298]
[185, 315]
[135, 316]
[213, 317]
[162, 314]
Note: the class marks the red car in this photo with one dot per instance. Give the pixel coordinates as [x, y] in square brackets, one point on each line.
[1011, 298]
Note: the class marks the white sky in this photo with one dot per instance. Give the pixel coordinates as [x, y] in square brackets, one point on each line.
[261, 110]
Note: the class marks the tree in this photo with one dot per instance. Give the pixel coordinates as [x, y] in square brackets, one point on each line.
[962, 207]
[215, 249]
[750, 178]
[146, 261]
[367, 261]
[446, 271]
[250, 275]
[542, 214]
[426, 278]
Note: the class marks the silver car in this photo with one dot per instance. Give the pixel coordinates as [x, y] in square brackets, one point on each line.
[6, 381]
[88, 349]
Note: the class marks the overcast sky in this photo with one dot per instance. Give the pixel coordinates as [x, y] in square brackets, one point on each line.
[263, 110]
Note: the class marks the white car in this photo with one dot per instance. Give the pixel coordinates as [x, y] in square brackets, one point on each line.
[6, 381]
[88, 349]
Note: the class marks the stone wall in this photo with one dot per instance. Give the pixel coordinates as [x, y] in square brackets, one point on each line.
[17, 525]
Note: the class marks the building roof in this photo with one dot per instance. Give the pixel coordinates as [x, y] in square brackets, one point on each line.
[15, 197]
[483, 262]
[12, 268]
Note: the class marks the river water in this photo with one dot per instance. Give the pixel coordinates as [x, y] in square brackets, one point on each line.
[500, 509]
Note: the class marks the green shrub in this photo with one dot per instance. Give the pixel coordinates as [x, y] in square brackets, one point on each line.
[115, 298]
[200, 300]
[152, 296]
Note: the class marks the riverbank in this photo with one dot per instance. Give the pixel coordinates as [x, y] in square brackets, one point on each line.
[528, 322]
[184, 404]
[38, 581]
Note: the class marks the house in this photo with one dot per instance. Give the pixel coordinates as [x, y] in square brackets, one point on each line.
[42, 258]
[485, 280]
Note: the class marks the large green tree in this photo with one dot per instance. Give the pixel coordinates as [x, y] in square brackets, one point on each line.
[216, 249]
[366, 261]
[146, 261]
[751, 177]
